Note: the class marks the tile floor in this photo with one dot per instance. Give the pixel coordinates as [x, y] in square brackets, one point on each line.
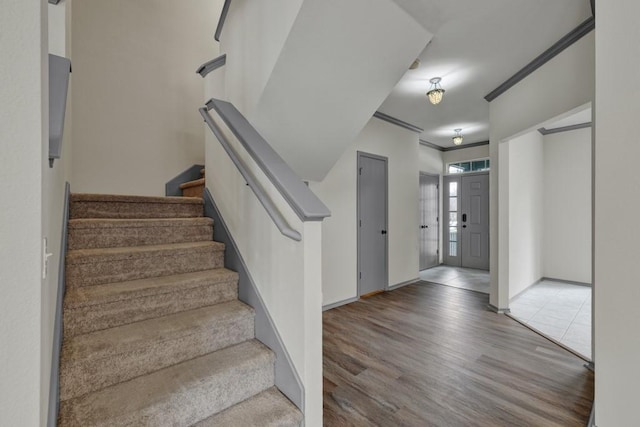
[465, 278]
[559, 310]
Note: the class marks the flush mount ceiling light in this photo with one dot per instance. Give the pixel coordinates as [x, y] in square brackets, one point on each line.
[457, 139]
[436, 92]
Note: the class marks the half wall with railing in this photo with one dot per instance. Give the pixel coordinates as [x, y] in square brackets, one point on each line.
[274, 222]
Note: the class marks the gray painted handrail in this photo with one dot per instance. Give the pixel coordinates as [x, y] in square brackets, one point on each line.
[214, 64]
[302, 200]
[59, 70]
[223, 17]
[266, 202]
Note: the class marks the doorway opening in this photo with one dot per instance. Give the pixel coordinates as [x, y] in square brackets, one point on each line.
[546, 228]
[372, 213]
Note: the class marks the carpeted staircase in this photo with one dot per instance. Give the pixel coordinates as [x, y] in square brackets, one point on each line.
[154, 334]
[194, 188]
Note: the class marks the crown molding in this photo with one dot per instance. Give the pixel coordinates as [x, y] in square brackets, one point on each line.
[545, 131]
[431, 145]
[397, 122]
[569, 39]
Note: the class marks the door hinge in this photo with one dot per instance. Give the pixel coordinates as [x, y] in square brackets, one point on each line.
[359, 171]
[360, 275]
[360, 223]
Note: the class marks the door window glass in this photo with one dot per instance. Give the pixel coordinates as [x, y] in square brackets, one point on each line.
[453, 218]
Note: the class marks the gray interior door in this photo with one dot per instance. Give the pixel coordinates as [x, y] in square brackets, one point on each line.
[429, 230]
[372, 223]
[474, 221]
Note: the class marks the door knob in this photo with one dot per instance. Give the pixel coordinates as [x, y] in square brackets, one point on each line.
[464, 226]
[383, 232]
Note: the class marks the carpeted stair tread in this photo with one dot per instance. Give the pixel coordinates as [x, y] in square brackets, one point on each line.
[83, 256]
[105, 223]
[122, 291]
[267, 409]
[123, 198]
[123, 206]
[194, 183]
[181, 394]
[92, 308]
[90, 267]
[91, 233]
[99, 359]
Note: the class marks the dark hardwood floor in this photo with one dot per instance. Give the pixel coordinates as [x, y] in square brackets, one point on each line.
[433, 355]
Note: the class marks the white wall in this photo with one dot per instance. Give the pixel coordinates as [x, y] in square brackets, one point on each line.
[287, 273]
[253, 36]
[567, 206]
[526, 213]
[430, 160]
[135, 94]
[562, 84]
[338, 191]
[53, 202]
[617, 202]
[23, 152]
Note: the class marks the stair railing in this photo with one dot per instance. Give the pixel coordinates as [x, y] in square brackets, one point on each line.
[223, 17]
[301, 199]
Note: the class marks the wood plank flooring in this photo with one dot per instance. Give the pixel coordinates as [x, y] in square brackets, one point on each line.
[433, 355]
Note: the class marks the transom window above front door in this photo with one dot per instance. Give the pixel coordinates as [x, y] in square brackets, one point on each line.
[480, 165]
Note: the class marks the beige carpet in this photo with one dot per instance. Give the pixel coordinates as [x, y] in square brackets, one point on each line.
[154, 333]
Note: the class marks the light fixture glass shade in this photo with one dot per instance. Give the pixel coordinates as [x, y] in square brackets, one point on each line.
[435, 96]
[457, 139]
[436, 92]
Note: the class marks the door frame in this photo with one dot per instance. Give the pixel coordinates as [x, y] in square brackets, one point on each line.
[438, 198]
[359, 155]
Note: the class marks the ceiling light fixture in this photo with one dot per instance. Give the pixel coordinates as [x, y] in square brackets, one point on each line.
[436, 92]
[457, 139]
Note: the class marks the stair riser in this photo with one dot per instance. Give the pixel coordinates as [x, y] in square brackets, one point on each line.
[190, 405]
[121, 210]
[92, 238]
[101, 271]
[87, 319]
[80, 377]
[267, 409]
[196, 191]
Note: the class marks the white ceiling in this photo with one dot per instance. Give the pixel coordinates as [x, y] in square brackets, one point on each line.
[477, 45]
